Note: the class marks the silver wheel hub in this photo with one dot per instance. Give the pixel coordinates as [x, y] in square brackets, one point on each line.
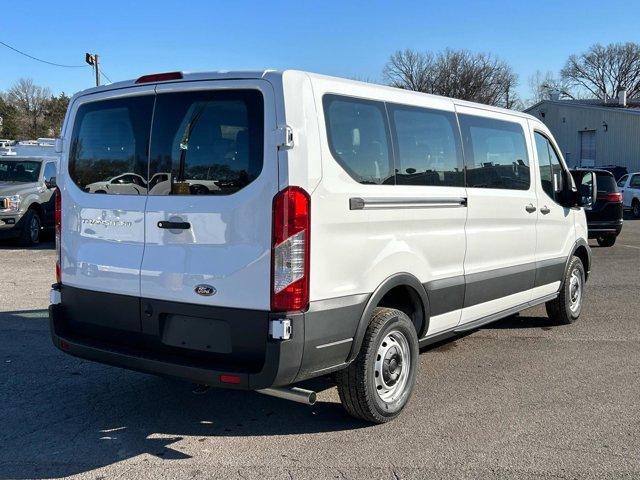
[391, 370]
[575, 290]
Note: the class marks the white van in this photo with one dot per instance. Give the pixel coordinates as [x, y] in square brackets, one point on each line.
[298, 225]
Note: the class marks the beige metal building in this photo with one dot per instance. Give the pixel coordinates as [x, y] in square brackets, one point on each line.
[594, 133]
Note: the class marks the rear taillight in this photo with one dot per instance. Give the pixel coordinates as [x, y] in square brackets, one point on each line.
[58, 229]
[290, 250]
[614, 197]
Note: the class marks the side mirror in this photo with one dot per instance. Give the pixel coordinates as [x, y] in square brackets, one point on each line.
[587, 188]
[51, 183]
[58, 145]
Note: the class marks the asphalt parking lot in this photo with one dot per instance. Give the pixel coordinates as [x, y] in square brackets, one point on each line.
[522, 398]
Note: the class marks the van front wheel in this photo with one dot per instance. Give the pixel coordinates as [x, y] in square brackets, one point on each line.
[566, 307]
[379, 382]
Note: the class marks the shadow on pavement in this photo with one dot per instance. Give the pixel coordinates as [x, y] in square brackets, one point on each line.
[13, 245]
[65, 416]
[517, 321]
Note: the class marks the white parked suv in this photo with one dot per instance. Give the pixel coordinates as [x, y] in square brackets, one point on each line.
[629, 186]
[350, 224]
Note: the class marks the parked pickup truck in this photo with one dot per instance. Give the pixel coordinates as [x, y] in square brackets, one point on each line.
[27, 185]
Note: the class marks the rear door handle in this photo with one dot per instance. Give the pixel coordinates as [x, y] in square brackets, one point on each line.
[530, 208]
[174, 225]
[544, 210]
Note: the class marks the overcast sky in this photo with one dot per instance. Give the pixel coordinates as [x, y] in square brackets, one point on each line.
[348, 39]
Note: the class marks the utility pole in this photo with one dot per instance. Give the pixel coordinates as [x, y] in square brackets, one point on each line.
[92, 59]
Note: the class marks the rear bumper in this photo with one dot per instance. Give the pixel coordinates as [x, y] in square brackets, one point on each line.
[86, 324]
[598, 228]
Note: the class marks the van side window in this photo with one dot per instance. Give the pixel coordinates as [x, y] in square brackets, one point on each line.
[359, 138]
[427, 147]
[544, 161]
[495, 153]
[550, 167]
[206, 142]
[110, 139]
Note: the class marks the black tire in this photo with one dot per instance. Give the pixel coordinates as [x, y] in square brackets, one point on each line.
[360, 383]
[31, 229]
[607, 240]
[566, 308]
[635, 208]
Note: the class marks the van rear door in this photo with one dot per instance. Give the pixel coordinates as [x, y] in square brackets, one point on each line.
[103, 228]
[213, 175]
[103, 234]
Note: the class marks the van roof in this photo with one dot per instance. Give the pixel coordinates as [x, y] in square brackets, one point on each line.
[267, 73]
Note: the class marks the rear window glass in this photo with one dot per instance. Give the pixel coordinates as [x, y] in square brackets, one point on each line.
[206, 142]
[358, 138]
[606, 182]
[109, 146]
[495, 153]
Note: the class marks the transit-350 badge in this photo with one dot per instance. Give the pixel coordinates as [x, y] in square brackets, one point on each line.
[205, 290]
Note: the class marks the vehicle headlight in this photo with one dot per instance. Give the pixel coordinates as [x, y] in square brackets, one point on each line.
[12, 203]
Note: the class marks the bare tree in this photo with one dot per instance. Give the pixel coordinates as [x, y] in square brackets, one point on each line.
[410, 70]
[31, 102]
[603, 70]
[542, 85]
[454, 73]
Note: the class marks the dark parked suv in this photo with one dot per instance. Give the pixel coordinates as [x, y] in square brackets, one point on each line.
[604, 219]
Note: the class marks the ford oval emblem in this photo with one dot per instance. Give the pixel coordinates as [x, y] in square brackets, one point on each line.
[205, 290]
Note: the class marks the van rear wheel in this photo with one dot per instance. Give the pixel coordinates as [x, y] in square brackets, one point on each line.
[379, 382]
[567, 306]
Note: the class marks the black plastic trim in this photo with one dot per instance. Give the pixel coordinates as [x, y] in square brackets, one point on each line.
[483, 287]
[399, 279]
[549, 271]
[330, 328]
[445, 295]
[580, 242]
[130, 332]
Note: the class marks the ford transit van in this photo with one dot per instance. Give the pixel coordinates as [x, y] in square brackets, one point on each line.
[252, 230]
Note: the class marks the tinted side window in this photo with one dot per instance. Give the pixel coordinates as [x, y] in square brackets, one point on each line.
[110, 139]
[358, 138]
[427, 147]
[49, 171]
[206, 143]
[495, 153]
[635, 181]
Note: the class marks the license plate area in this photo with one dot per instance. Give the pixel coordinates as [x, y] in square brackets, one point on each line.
[195, 333]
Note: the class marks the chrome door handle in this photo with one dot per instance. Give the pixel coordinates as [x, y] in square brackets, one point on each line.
[530, 208]
[544, 210]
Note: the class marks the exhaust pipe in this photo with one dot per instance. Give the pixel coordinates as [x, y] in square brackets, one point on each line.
[295, 394]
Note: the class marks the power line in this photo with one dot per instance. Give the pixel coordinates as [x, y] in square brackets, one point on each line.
[39, 59]
[105, 75]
